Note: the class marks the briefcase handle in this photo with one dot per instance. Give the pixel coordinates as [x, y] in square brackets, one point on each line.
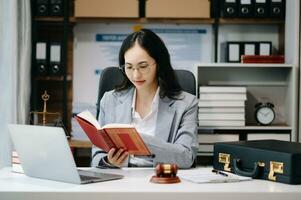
[255, 173]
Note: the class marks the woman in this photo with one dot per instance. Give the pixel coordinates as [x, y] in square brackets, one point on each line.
[151, 99]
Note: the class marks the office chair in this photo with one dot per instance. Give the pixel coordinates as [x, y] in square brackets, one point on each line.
[112, 76]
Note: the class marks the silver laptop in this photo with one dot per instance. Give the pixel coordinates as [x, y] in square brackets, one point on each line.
[44, 152]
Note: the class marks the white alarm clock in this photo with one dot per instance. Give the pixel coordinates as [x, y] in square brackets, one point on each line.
[264, 113]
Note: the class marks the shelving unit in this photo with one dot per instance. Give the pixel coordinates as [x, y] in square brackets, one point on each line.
[59, 87]
[276, 83]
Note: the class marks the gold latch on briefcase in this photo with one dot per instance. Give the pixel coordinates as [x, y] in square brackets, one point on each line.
[225, 159]
[275, 167]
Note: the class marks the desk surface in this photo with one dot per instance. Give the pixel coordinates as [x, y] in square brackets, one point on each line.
[136, 185]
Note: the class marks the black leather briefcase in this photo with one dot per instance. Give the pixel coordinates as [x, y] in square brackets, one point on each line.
[273, 160]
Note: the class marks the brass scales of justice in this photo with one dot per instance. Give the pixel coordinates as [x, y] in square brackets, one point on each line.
[42, 118]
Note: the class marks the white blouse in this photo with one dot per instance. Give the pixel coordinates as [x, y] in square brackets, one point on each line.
[147, 125]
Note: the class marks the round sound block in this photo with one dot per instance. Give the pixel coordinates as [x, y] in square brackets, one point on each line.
[165, 180]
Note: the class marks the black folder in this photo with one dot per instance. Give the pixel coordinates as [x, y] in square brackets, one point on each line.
[245, 8]
[233, 51]
[41, 7]
[277, 9]
[41, 65]
[249, 48]
[264, 48]
[55, 58]
[228, 8]
[261, 8]
[56, 8]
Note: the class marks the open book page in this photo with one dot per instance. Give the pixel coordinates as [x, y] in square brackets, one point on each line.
[118, 126]
[204, 175]
[87, 115]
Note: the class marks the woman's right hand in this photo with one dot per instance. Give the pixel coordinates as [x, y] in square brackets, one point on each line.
[116, 157]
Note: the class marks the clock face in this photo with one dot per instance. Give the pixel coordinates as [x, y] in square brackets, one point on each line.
[265, 115]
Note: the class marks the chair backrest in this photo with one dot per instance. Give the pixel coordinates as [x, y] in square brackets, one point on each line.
[109, 78]
[112, 76]
[186, 80]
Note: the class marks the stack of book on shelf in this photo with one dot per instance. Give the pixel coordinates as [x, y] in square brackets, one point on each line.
[207, 140]
[16, 163]
[222, 106]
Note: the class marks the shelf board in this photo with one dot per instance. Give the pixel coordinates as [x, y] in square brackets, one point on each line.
[248, 127]
[140, 20]
[49, 19]
[161, 20]
[52, 78]
[245, 65]
[250, 21]
[250, 83]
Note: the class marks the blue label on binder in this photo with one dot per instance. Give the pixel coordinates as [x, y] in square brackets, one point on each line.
[110, 37]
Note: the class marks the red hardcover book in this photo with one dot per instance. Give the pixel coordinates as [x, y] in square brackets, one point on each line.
[262, 59]
[112, 135]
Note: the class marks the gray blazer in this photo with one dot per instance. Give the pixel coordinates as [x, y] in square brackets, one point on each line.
[175, 139]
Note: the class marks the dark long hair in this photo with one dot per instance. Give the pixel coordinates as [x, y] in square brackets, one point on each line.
[155, 47]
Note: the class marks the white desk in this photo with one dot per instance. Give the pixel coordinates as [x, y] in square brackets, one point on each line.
[136, 185]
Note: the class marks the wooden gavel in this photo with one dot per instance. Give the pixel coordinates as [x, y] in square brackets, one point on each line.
[166, 170]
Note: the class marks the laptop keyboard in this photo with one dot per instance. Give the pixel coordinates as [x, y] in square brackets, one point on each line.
[92, 176]
[88, 178]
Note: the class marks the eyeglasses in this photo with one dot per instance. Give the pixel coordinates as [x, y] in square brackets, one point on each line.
[143, 68]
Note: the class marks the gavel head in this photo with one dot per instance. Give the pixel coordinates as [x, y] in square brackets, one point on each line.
[166, 170]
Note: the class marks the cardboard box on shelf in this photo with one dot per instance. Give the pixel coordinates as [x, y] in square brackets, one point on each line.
[107, 8]
[177, 9]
